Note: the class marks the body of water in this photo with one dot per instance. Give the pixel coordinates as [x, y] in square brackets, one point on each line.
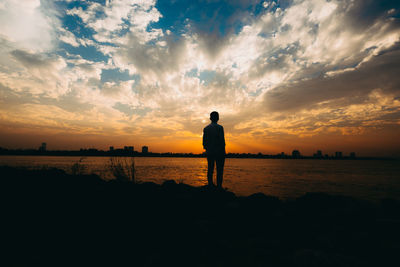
[284, 178]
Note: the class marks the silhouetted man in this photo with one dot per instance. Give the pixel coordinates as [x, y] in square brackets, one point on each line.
[214, 144]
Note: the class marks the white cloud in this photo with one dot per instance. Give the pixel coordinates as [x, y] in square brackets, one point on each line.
[68, 37]
[108, 20]
[27, 25]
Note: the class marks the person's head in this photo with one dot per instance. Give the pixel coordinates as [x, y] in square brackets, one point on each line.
[214, 116]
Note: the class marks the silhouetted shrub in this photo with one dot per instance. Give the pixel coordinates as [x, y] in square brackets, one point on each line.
[123, 169]
[78, 168]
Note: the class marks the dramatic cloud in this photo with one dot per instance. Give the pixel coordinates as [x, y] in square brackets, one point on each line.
[27, 24]
[303, 74]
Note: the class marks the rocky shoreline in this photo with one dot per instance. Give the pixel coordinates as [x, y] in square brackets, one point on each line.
[52, 218]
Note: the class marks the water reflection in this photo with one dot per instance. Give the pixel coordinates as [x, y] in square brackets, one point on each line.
[282, 178]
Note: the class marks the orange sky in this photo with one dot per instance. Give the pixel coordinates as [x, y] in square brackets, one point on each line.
[379, 143]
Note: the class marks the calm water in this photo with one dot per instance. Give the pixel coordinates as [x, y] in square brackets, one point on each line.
[367, 179]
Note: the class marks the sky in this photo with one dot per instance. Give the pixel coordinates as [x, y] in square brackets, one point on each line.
[283, 74]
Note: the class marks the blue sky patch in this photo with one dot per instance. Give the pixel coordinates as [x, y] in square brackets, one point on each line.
[86, 52]
[192, 73]
[116, 75]
[129, 110]
[75, 25]
[207, 76]
[216, 17]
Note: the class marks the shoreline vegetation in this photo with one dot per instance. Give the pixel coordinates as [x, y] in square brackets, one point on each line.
[54, 218]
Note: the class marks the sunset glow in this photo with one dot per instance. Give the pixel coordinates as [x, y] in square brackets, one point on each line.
[283, 75]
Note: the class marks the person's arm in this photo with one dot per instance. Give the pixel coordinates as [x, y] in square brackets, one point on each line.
[223, 135]
[204, 139]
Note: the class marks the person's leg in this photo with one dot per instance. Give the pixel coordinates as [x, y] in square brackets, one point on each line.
[220, 170]
[210, 161]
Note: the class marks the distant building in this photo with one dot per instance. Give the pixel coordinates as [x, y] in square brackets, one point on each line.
[111, 148]
[352, 155]
[338, 154]
[296, 154]
[145, 149]
[128, 148]
[280, 155]
[318, 154]
[43, 147]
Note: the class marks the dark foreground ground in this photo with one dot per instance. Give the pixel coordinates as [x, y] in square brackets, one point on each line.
[49, 218]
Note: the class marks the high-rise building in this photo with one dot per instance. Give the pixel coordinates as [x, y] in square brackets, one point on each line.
[145, 149]
[43, 147]
[338, 154]
[128, 148]
[111, 148]
[318, 154]
[352, 155]
[296, 154]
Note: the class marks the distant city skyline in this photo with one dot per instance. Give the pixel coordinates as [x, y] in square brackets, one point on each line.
[308, 148]
[295, 153]
[128, 151]
[283, 75]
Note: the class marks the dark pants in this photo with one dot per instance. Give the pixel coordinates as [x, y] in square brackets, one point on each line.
[220, 160]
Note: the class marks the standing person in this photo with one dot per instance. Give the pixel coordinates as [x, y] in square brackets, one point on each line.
[214, 144]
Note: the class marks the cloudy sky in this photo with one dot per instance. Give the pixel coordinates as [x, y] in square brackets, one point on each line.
[283, 74]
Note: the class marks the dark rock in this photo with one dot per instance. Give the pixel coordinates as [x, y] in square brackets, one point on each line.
[53, 218]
